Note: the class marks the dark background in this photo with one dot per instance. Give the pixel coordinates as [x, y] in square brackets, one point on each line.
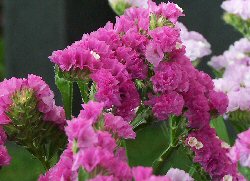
[34, 28]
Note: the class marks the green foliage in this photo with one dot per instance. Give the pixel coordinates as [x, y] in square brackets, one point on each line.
[66, 89]
[221, 129]
[154, 140]
[240, 120]
[119, 7]
[243, 26]
[23, 167]
[245, 171]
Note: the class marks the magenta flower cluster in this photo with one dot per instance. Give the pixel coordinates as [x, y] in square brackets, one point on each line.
[46, 105]
[94, 145]
[211, 153]
[143, 45]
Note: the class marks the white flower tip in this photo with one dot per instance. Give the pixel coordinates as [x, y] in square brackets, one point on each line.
[192, 141]
[95, 55]
[199, 145]
[227, 178]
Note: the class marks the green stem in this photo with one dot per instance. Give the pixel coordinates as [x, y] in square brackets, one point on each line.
[158, 163]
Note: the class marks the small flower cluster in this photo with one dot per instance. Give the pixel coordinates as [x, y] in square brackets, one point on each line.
[15, 92]
[4, 156]
[196, 45]
[44, 96]
[236, 78]
[241, 149]
[95, 146]
[238, 53]
[211, 153]
[237, 7]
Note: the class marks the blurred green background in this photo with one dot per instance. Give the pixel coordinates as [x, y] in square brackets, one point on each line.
[32, 29]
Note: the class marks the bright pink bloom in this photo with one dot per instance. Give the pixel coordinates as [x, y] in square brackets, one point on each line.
[178, 175]
[118, 126]
[168, 104]
[4, 156]
[241, 149]
[62, 170]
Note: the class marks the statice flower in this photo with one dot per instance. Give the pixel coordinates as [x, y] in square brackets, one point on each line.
[119, 6]
[237, 7]
[167, 104]
[235, 83]
[4, 156]
[241, 150]
[178, 175]
[212, 155]
[196, 45]
[238, 53]
[30, 103]
[42, 92]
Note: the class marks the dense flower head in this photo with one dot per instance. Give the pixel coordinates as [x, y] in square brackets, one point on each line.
[239, 8]
[238, 53]
[44, 96]
[211, 154]
[144, 46]
[167, 104]
[196, 45]
[241, 149]
[177, 175]
[169, 10]
[236, 84]
[15, 94]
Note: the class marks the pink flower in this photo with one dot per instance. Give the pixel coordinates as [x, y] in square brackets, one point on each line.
[178, 175]
[163, 41]
[170, 77]
[196, 45]
[219, 101]
[62, 170]
[82, 131]
[104, 178]
[142, 173]
[91, 111]
[3, 136]
[107, 88]
[169, 10]
[88, 159]
[212, 155]
[168, 104]
[118, 126]
[4, 156]
[241, 149]
[106, 141]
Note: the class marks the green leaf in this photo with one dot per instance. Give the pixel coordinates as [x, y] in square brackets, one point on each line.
[245, 171]
[221, 129]
[150, 143]
[240, 120]
[66, 89]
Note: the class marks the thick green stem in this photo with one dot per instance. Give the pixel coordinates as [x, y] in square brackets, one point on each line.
[159, 162]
